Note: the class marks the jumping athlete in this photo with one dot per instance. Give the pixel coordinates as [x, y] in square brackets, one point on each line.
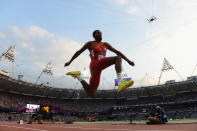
[99, 62]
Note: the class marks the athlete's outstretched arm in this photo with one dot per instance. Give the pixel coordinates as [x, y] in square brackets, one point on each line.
[78, 53]
[109, 47]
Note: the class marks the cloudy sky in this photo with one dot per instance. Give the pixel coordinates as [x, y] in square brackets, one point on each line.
[51, 30]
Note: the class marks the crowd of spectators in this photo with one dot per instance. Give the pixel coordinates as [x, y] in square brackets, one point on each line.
[180, 106]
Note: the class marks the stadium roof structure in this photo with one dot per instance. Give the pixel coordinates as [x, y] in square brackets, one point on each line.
[167, 67]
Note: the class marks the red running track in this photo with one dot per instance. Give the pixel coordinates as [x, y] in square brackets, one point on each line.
[7, 126]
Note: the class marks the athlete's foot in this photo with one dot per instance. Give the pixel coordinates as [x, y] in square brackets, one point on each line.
[74, 74]
[124, 85]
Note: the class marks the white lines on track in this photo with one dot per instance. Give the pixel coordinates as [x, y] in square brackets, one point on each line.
[116, 129]
[73, 127]
[80, 128]
[105, 129]
[157, 130]
[33, 129]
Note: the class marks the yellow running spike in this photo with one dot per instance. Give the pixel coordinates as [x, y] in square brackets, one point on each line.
[125, 84]
[74, 74]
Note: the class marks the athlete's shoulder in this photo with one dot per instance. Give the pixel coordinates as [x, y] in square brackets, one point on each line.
[89, 42]
[107, 45]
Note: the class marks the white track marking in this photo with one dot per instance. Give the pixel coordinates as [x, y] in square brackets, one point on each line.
[91, 128]
[73, 127]
[158, 130]
[24, 128]
[116, 129]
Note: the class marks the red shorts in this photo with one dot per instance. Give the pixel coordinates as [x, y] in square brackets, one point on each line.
[96, 67]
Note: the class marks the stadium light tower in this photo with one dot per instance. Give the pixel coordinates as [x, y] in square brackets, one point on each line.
[147, 80]
[194, 69]
[47, 70]
[167, 67]
[10, 55]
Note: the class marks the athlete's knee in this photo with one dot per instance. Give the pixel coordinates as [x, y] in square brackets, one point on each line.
[92, 95]
[119, 58]
[92, 92]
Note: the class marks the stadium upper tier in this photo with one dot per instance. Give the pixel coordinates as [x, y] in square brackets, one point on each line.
[8, 84]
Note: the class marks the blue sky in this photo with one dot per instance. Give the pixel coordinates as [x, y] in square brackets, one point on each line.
[74, 19]
[53, 30]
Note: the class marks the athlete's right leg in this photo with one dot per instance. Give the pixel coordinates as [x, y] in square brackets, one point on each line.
[90, 90]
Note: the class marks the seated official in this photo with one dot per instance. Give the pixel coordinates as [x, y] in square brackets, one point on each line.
[157, 115]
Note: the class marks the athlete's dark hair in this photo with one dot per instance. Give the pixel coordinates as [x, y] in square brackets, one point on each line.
[93, 34]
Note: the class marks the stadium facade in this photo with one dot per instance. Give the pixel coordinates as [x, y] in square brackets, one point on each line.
[179, 99]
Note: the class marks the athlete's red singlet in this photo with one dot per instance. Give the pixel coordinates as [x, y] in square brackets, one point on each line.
[98, 62]
[98, 52]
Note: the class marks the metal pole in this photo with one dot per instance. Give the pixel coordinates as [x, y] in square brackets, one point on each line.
[178, 74]
[194, 70]
[160, 77]
[38, 78]
[13, 69]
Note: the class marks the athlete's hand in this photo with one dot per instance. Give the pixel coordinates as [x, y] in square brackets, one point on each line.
[67, 64]
[131, 63]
